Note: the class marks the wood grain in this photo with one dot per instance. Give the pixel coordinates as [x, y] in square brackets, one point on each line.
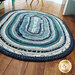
[16, 67]
[4, 62]
[35, 68]
[10, 66]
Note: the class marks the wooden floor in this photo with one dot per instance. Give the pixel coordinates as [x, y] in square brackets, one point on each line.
[10, 66]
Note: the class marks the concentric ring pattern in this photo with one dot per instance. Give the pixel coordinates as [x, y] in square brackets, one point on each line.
[34, 35]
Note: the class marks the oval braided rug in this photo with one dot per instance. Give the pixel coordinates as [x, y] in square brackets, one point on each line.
[34, 36]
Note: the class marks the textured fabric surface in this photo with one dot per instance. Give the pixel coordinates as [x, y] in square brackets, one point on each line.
[35, 36]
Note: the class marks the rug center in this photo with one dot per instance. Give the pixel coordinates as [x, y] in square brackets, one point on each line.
[34, 25]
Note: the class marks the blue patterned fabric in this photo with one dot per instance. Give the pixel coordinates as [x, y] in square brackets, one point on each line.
[34, 36]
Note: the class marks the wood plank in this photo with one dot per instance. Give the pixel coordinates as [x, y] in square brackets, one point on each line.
[51, 69]
[16, 67]
[4, 62]
[35, 68]
[71, 58]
